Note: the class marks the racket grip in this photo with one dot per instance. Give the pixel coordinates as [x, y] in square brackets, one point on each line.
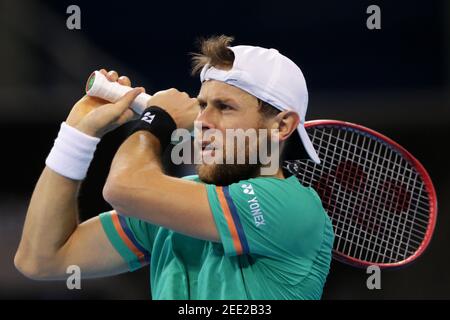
[99, 86]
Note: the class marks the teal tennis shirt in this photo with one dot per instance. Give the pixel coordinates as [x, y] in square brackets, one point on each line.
[276, 243]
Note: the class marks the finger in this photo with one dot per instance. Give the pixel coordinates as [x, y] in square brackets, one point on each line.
[112, 76]
[171, 90]
[128, 115]
[124, 80]
[103, 72]
[136, 116]
[185, 95]
[123, 103]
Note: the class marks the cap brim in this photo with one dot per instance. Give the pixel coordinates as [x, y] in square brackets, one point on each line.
[307, 144]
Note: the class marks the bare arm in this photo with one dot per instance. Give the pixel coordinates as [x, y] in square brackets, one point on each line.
[137, 187]
[52, 239]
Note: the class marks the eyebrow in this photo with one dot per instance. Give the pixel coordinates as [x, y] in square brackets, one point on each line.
[220, 101]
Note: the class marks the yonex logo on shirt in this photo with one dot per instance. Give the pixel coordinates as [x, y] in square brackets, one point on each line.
[254, 206]
[247, 189]
[148, 117]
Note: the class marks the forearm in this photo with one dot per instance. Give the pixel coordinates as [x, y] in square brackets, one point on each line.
[51, 218]
[135, 167]
[52, 214]
[137, 187]
[140, 150]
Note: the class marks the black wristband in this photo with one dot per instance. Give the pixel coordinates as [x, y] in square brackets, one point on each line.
[157, 121]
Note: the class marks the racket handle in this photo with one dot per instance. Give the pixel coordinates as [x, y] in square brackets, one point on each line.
[99, 86]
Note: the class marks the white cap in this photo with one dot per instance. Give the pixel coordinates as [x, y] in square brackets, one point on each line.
[271, 77]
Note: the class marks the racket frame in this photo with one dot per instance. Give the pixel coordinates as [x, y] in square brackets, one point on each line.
[423, 173]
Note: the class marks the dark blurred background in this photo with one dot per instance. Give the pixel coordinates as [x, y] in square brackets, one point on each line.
[395, 80]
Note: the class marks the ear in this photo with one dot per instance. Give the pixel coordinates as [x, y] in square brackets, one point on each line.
[286, 122]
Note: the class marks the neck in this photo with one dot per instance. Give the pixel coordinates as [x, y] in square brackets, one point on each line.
[279, 174]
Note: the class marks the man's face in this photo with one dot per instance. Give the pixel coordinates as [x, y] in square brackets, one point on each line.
[226, 107]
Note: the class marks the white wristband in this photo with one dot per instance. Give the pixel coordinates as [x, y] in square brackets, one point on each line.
[72, 153]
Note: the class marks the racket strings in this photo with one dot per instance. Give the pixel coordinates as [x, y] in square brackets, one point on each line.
[395, 166]
[375, 198]
[372, 163]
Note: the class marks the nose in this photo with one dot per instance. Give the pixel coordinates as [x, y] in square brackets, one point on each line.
[207, 118]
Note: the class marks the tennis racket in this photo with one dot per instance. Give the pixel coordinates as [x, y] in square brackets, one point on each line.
[380, 199]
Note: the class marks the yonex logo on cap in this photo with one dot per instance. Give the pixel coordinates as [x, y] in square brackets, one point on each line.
[148, 117]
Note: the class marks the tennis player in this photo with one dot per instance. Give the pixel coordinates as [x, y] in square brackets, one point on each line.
[228, 232]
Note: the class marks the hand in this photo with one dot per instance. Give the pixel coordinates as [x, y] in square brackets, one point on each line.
[179, 105]
[96, 117]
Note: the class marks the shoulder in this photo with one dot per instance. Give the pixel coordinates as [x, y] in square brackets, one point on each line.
[284, 203]
[282, 193]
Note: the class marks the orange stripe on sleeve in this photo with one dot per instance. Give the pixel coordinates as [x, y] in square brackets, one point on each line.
[229, 220]
[139, 254]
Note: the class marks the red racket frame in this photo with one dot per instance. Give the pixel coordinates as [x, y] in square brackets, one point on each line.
[428, 185]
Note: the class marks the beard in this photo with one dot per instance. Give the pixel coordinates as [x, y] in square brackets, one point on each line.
[226, 174]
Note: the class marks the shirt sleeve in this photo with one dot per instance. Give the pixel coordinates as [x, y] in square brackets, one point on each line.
[268, 216]
[132, 238]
